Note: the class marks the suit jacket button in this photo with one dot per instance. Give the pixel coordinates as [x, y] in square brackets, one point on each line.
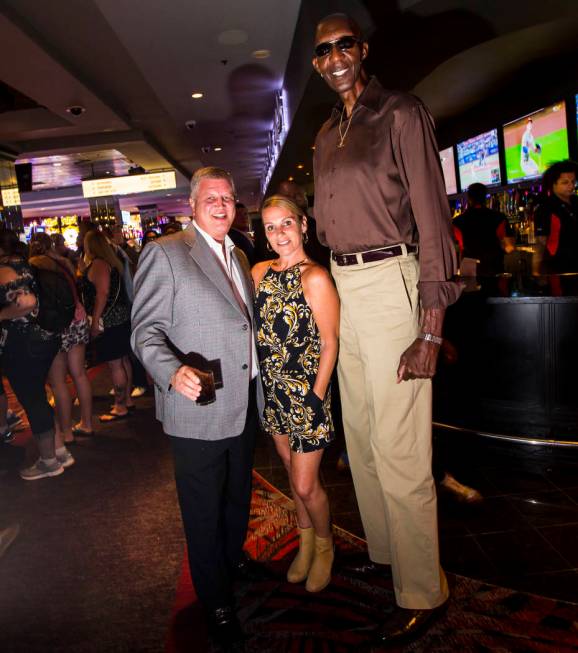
[245, 327]
[245, 366]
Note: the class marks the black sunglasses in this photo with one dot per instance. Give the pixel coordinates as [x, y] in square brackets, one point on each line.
[344, 43]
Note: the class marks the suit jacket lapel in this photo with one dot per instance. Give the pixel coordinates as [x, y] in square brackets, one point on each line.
[201, 253]
[245, 273]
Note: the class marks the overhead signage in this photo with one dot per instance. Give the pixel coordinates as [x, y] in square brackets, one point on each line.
[129, 184]
[276, 137]
[11, 197]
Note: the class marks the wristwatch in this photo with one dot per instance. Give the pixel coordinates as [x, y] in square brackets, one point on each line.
[429, 337]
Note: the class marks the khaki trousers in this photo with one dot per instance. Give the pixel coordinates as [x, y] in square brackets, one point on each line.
[388, 426]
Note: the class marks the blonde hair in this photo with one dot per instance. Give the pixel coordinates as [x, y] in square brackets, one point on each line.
[97, 246]
[210, 172]
[284, 202]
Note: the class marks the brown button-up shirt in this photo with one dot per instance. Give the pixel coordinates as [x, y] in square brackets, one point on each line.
[385, 187]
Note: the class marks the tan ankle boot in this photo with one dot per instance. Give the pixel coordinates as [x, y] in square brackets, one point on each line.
[320, 573]
[299, 568]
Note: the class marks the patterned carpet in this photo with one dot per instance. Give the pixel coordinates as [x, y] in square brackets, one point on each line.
[284, 618]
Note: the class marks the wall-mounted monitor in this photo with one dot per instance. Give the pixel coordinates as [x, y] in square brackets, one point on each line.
[479, 160]
[535, 141]
[449, 170]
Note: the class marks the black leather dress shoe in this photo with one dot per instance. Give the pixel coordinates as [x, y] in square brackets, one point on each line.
[224, 628]
[406, 624]
[363, 566]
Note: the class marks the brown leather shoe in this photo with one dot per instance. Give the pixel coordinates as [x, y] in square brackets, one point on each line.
[406, 624]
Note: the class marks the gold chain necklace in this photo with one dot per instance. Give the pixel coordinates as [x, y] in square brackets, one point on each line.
[342, 136]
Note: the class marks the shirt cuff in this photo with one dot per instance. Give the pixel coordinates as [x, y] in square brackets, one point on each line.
[439, 294]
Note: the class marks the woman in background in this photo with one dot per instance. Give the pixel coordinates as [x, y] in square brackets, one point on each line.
[109, 311]
[297, 321]
[71, 357]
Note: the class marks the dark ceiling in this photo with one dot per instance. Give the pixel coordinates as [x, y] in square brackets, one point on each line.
[133, 66]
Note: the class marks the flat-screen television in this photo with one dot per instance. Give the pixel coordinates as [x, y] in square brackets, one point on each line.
[535, 141]
[125, 215]
[449, 170]
[479, 160]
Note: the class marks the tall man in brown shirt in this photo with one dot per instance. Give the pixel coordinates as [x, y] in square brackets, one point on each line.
[381, 207]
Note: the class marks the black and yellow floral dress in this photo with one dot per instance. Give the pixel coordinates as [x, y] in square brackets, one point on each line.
[289, 346]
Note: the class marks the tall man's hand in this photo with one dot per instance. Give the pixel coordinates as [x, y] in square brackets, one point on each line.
[186, 381]
[419, 360]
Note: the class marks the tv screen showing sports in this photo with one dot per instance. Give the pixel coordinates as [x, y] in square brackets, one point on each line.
[479, 160]
[449, 170]
[535, 141]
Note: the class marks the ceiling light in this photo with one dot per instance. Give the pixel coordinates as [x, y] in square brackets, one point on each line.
[308, 173]
[300, 166]
[261, 54]
[169, 194]
[217, 149]
[290, 178]
[313, 147]
[197, 95]
[57, 165]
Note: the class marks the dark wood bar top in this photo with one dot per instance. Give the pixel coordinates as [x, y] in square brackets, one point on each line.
[509, 364]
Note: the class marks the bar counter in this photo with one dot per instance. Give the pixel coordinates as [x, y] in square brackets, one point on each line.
[508, 367]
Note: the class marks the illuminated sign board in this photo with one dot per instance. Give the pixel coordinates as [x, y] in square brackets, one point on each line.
[276, 138]
[10, 197]
[146, 183]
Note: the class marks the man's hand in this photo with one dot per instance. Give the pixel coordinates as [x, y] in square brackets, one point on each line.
[418, 361]
[186, 381]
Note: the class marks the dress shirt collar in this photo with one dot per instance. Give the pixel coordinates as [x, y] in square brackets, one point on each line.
[371, 98]
[213, 244]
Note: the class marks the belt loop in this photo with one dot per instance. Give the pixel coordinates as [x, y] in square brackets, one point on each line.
[359, 258]
[403, 249]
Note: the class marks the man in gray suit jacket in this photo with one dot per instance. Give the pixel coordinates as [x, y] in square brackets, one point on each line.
[193, 312]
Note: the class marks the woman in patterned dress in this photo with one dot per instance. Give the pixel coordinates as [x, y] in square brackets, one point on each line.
[297, 323]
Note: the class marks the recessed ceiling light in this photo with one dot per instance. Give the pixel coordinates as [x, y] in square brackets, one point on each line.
[308, 173]
[300, 166]
[261, 54]
[233, 37]
[217, 149]
[57, 165]
[290, 178]
[197, 95]
[313, 147]
[108, 172]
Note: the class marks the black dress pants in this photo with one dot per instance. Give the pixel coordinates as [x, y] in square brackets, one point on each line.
[213, 481]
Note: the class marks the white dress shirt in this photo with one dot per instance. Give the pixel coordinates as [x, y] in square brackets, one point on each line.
[225, 256]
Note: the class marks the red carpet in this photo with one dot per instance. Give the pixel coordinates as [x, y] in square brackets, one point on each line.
[284, 618]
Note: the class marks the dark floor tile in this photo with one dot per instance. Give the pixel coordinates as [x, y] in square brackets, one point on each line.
[561, 585]
[510, 480]
[565, 540]
[572, 492]
[451, 517]
[493, 515]
[562, 476]
[349, 521]
[546, 508]
[462, 555]
[341, 498]
[520, 552]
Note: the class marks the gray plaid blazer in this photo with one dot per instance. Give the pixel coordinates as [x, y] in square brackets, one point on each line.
[184, 307]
